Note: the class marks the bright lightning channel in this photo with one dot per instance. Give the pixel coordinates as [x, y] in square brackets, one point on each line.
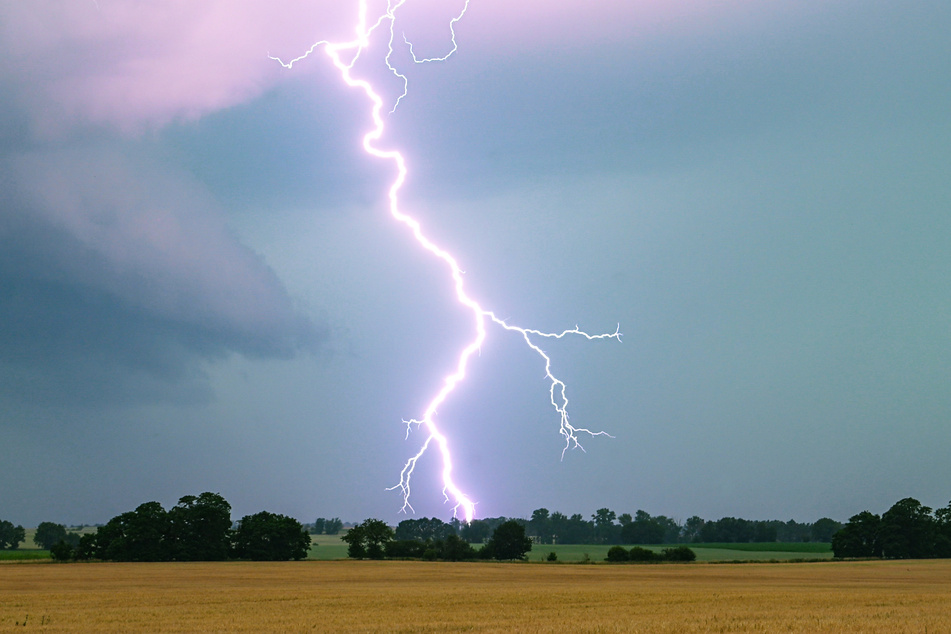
[352, 50]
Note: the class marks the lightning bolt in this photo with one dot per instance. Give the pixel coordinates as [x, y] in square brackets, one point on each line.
[344, 56]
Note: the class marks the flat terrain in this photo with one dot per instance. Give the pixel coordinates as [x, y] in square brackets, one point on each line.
[764, 551]
[875, 596]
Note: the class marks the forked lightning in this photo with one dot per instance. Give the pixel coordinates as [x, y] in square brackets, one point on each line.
[344, 55]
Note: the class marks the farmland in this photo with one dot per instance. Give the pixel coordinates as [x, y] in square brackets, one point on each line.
[872, 596]
[705, 552]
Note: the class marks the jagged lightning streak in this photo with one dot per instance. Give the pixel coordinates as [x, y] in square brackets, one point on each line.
[480, 316]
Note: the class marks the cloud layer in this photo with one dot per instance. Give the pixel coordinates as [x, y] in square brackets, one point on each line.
[118, 270]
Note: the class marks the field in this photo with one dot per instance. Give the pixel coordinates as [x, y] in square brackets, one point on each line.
[874, 596]
[326, 547]
[330, 547]
[705, 552]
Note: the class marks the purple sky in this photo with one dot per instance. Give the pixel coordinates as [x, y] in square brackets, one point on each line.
[200, 288]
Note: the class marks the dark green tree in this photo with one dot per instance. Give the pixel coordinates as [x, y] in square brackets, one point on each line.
[908, 531]
[10, 535]
[860, 537]
[49, 534]
[454, 548]
[268, 536]
[793, 531]
[368, 540]
[823, 529]
[404, 549]
[476, 531]
[540, 525]
[508, 542]
[319, 525]
[200, 528]
[574, 529]
[605, 530]
[138, 535]
[943, 532]
[764, 532]
[61, 551]
[423, 529]
[88, 547]
[643, 530]
[617, 554]
[692, 529]
[333, 526]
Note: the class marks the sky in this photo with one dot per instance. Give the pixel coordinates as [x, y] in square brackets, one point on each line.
[201, 288]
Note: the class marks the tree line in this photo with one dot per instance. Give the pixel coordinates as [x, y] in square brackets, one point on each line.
[432, 539]
[506, 539]
[607, 527]
[323, 526]
[908, 530]
[198, 528]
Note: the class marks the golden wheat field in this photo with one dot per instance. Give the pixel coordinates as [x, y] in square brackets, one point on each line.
[357, 596]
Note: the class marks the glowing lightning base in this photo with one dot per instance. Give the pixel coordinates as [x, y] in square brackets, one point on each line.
[480, 315]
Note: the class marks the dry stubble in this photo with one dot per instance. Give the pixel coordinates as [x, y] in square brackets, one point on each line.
[435, 597]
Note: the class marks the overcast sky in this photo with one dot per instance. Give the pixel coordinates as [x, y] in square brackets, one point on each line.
[201, 288]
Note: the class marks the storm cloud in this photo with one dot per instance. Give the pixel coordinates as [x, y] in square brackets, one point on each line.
[201, 289]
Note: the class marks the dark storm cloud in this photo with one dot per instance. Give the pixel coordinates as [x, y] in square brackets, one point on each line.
[111, 270]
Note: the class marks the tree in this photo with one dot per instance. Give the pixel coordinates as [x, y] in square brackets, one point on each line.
[540, 525]
[200, 528]
[61, 551]
[574, 529]
[268, 536]
[605, 530]
[88, 547]
[423, 529]
[319, 524]
[692, 528]
[404, 548]
[333, 526]
[139, 535]
[508, 542]
[823, 529]
[368, 540]
[859, 537]
[643, 530]
[476, 531]
[10, 535]
[48, 534]
[943, 532]
[908, 531]
[454, 548]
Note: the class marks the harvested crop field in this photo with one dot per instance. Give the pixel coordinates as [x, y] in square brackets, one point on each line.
[892, 596]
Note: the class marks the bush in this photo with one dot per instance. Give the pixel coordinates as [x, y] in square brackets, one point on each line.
[618, 554]
[552, 556]
[643, 554]
[680, 553]
[61, 551]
